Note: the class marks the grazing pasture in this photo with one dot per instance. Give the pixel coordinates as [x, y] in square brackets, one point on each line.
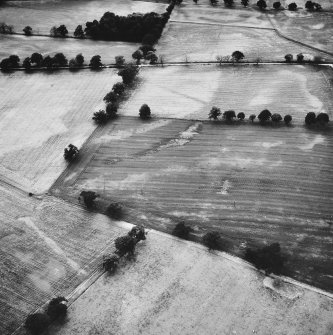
[24, 46]
[178, 288]
[41, 114]
[43, 15]
[254, 184]
[183, 41]
[48, 247]
[191, 91]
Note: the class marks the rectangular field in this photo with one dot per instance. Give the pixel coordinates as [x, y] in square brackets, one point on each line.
[254, 184]
[26, 46]
[40, 115]
[182, 41]
[191, 91]
[48, 247]
[43, 15]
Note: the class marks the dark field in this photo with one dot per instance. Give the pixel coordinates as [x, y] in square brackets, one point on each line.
[254, 184]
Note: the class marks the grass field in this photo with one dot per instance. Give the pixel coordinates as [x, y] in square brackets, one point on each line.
[182, 40]
[177, 288]
[48, 247]
[25, 46]
[254, 184]
[191, 91]
[43, 15]
[41, 114]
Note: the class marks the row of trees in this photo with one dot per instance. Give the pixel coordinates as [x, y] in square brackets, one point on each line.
[264, 116]
[320, 119]
[128, 73]
[262, 4]
[36, 61]
[289, 58]
[268, 258]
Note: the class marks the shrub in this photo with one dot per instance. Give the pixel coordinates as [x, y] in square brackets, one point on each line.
[6, 29]
[264, 115]
[229, 115]
[125, 245]
[138, 233]
[89, 198]
[300, 58]
[252, 117]
[71, 152]
[36, 58]
[151, 56]
[212, 240]
[118, 88]
[37, 323]
[310, 118]
[277, 5]
[57, 308]
[144, 112]
[100, 117]
[128, 73]
[292, 6]
[241, 116]
[322, 118]
[276, 117]
[110, 263]
[288, 58]
[79, 33]
[111, 110]
[147, 48]
[95, 62]
[27, 31]
[27, 63]
[287, 119]
[120, 61]
[115, 211]
[262, 4]
[268, 258]
[181, 230]
[237, 55]
[214, 113]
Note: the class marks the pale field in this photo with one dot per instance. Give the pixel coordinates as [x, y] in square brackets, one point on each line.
[174, 287]
[40, 115]
[26, 46]
[43, 15]
[48, 247]
[254, 184]
[315, 29]
[181, 40]
[191, 91]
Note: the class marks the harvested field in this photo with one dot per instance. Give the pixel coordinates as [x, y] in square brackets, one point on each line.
[25, 46]
[41, 114]
[191, 91]
[204, 13]
[254, 184]
[315, 29]
[177, 288]
[48, 247]
[43, 15]
[183, 41]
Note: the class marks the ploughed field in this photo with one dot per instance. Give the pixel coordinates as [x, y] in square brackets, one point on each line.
[25, 46]
[43, 15]
[191, 91]
[48, 247]
[41, 114]
[254, 184]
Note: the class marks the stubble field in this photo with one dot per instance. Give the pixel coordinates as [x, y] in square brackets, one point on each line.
[191, 91]
[253, 184]
[48, 247]
[43, 15]
[43, 113]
